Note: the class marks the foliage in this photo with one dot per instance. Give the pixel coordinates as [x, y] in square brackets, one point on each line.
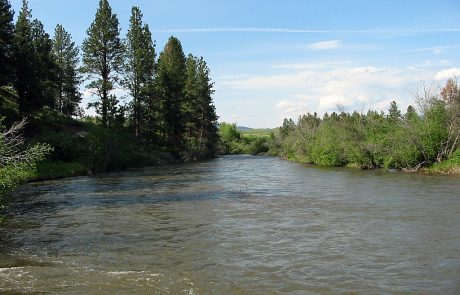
[199, 111]
[66, 55]
[170, 88]
[96, 148]
[6, 42]
[450, 166]
[17, 160]
[33, 62]
[139, 68]
[13, 150]
[232, 142]
[228, 132]
[410, 141]
[102, 59]
[13, 175]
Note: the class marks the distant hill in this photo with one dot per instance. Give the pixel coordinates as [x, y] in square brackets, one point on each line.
[242, 128]
[262, 132]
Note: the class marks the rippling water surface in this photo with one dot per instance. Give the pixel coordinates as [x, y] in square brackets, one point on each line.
[234, 225]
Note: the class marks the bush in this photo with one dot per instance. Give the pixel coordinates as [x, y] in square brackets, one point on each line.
[258, 145]
[13, 175]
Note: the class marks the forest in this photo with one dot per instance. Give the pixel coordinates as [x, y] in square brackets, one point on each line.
[170, 117]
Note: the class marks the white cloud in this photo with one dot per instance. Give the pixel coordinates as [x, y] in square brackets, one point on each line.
[321, 89]
[228, 77]
[447, 73]
[330, 102]
[332, 44]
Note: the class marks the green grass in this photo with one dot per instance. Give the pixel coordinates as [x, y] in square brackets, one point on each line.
[256, 132]
[58, 169]
[447, 167]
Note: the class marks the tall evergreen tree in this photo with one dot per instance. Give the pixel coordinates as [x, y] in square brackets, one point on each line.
[6, 42]
[207, 118]
[191, 95]
[25, 78]
[170, 86]
[103, 57]
[67, 77]
[45, 65]
[198, 109]
[139, 67]
[34, 64]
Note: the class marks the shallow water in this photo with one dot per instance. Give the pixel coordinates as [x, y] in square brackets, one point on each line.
[234, 225]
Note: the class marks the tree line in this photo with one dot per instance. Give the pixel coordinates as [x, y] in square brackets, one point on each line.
[409, 140]
[171, 94]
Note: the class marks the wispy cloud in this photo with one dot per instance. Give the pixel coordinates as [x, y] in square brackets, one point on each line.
[324, 45]
[435, 50]
[306, 31]
[311, 65]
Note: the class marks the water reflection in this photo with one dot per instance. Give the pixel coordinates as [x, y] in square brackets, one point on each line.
[235, 225]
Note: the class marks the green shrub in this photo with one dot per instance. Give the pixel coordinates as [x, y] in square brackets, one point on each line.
[13, 175]
[258, 145]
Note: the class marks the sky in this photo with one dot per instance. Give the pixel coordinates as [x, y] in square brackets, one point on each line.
[276, 59]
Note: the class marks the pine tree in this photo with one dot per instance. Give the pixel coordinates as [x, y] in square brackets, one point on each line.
[103, 57]
[34, 64]
[152, 102]
[6, 42]
[207, 118]
[139, 67]
[45, 65]
[191, 94]
[25, 78]
[394, 114]
[170, 87]
[67, 77]
[198, 109]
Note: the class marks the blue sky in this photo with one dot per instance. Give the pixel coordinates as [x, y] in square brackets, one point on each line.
[275, 59]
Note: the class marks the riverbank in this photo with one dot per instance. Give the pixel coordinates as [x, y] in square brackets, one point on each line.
[449, 167]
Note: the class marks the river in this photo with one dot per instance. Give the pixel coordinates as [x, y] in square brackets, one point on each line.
[234, 225]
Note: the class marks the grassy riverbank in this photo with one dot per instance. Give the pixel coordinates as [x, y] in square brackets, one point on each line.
[447, 167]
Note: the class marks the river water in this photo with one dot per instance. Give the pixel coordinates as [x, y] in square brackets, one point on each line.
[234, 225]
